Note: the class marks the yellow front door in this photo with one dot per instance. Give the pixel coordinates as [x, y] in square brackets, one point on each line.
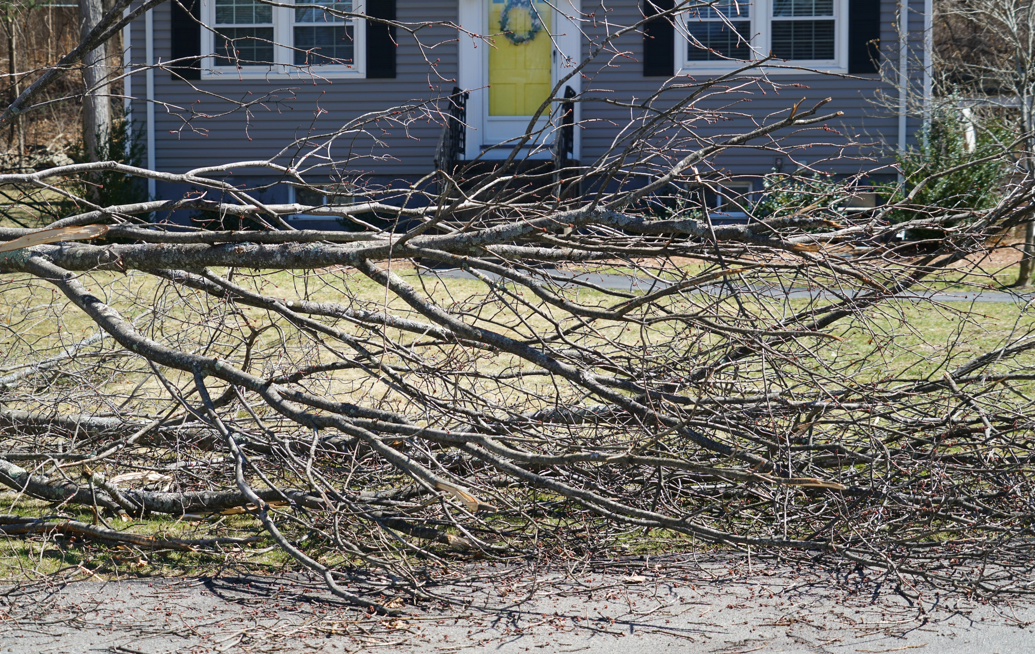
[519, 57]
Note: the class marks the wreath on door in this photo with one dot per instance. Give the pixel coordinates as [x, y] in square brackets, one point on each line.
[535, 26]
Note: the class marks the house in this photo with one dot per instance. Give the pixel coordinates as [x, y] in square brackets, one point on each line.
[231, 80]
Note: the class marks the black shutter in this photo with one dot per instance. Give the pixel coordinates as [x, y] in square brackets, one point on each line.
[863, 37]
[381, 40]
[659, 40]
[186, 38]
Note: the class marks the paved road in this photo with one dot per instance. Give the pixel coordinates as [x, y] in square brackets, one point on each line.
[641, 284]
[680, 604]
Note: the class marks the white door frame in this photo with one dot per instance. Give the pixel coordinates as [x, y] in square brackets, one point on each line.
[473, 71]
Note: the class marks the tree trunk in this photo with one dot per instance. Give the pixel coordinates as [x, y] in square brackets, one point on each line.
[97, 101]
[17, 125]
[1027, 268]
[17, 137]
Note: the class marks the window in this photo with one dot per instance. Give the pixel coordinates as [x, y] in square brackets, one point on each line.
[323, 38]
[720, 33]
[732, 198]
[727, 202]
[333, 195]
[252, 38]
[803, 29]
[806, 33]
[245, 33]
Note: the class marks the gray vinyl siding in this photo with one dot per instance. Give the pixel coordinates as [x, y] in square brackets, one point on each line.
[190, 131]
[864, 121]
[401, 148]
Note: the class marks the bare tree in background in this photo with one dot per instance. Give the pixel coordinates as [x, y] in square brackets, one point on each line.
[36, 35]
[519, 360]
[11, 32]
[97, 100]
[985, 53]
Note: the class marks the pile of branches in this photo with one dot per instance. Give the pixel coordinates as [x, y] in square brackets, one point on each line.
[507, 373]
[523, 363]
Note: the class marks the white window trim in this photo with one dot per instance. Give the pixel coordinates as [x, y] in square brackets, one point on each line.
[283, 53]
[761, 19]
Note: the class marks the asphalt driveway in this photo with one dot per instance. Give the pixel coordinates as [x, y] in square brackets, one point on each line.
[634, 284]
[677, 604]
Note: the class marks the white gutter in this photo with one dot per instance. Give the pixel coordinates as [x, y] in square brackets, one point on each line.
[903, 71]
[149, 75]
[928, 54]
[127, 80]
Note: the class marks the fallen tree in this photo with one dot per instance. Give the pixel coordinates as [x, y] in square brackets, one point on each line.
[526, 362]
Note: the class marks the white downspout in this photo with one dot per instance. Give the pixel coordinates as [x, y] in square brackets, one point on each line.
[903, 72]
[928, 55]
[149, 75]
[127, 81]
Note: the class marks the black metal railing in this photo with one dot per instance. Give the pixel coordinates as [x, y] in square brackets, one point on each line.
[452, 142]
[564, 144]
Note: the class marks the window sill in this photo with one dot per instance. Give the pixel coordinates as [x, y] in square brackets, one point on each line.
[279, 73]
[691, 69]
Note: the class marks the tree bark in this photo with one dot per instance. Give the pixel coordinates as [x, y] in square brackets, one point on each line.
[17, 125]
[1027, 268]
[97, 100]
